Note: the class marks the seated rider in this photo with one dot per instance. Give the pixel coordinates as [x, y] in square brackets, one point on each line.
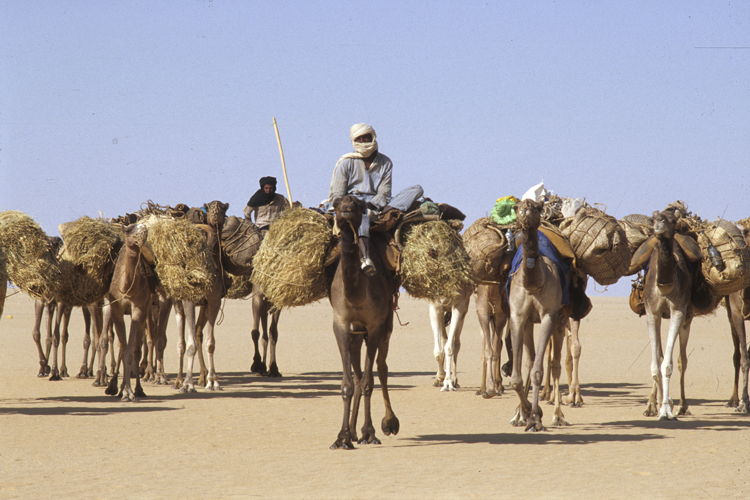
[266, 204]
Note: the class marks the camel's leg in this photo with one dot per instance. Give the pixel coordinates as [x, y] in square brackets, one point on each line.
[84, 371]
[145, 316]
[64, 336]
[165, 307]
[191, 345]
[355, 348]
[547, 327]
[489, 333]
[574, 355]
[179, 315]
[95, 310]
[118, 323]
[437, 322]
[453, 345]
[341, 330]
[546, 393]
[102, 347]
[743, 405]
[390, 424]
[52, 311]
[129, 357]
[258, 365]
[39, 308]
[199, 338]
[654, 326]
[736, 323]
[146, 368]
[3, 292]
[273, 333]
[54, 370]
[498, 330]
[682, 362]
[675, 325]
[367, 382]
[518, 331]
[212, 311]
[113, 361]
[555, 369]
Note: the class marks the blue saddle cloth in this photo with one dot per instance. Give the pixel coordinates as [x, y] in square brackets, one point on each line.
[547, 249]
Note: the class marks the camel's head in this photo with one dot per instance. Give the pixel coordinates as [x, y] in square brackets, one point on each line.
[216, 213]
[529, 213]
[349, 210]
[664, 225]
[55, 244]
[135, 235]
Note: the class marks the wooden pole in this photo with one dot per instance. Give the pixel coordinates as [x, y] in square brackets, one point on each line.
[283, 164]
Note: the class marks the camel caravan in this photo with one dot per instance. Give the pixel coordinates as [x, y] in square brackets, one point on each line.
[526, 264]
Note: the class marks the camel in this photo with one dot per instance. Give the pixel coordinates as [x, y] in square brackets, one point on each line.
[666, 294]
[129, 292]
[536, 293]
[362, 312]
[185, 312]
[738, 310]
[447, 346]
[262, 311]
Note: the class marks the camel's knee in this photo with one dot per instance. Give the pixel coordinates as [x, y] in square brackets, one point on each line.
[516, 381]
[37, 337]
[346, 391]
[667, 369]
[576, 350]
[86, 343]
[537, 376]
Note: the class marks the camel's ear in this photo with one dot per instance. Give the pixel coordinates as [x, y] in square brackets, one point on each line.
[63, 228]
[656, 213]
[224, 206]
[336, 202]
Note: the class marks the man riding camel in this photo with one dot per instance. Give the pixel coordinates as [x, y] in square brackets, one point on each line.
[266, 204]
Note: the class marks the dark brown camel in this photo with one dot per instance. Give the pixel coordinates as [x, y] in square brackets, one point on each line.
[535, 294]
[666, 294]
[130, 292]
[738, 310]
[362, 312]
[185, 312]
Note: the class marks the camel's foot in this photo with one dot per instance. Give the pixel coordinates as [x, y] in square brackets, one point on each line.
[84, 373]
[665, 413]
[683, 411]
[64, 372]
[559, 420]
[507, 369]
[161, 379]
[274, 370]
[743, 407]
[90, 372]
[734, 401]
[450, 385]
[148, 374]
[44, 369]
[101, 379]
[111, 389]
[518, 419]
[535, 427]
[574, 399]
[546, 395]
[368, 436]
[390, 425]
[142, 369]
[439, 381]
[259, 367]
[139, 391]
[343, 442]
[178, 384]
[54, 374]
[213, 386]
[487, 394]
[127, 395]
[187, 387]
[652, 409]
[203, 378]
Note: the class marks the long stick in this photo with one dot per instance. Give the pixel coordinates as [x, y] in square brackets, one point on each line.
[283, 164]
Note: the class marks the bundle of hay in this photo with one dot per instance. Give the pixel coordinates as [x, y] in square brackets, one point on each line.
[638, 228]
[31, 266]
[434, 262]
[240, 241]
[733, 272]
[599, 243]
[86, 260]
[238, 287]
[485, 243]
[288, 267]
[183, 261]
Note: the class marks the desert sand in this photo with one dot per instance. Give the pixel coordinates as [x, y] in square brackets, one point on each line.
[270, 438]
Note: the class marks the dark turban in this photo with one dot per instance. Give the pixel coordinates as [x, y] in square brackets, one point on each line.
[261, 198]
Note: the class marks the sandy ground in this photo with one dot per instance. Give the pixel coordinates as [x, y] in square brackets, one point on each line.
[270, 438]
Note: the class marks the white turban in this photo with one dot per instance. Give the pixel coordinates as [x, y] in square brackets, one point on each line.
[363, 149]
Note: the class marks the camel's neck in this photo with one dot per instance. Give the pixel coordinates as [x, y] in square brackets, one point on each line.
[129, 275]
[665, 262]
[532, 274]
[350, 266]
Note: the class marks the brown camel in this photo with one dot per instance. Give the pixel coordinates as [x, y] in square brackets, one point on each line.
[535, 294]
[738, 310]
[493, 316]
[666, 294]
[129, 292]
[152, 360]
[262, 311]
[362, 312]
[185, 312]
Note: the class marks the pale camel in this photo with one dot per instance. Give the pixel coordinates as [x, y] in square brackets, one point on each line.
[535, 293]
[666, 294]
[738, 310]
[448, 345]
[362, 312]
[492, 316]
[185, 312]
[129, 292]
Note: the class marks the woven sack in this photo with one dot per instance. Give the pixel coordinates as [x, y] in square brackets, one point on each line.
[240, 240]
[735, 254]
[638, 228]
[599, 243]
[485, 244]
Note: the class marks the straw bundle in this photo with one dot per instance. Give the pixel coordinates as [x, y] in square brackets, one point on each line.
[288, 267]
[638, 228]
[727, 238]
[238, 287]
[183, 261]
[87, 261]
[599, 243]
[31, 266]
[434, 263]
[485, 244]
[240, 241]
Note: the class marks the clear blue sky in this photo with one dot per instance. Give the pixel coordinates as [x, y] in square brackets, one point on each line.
[104, 105]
